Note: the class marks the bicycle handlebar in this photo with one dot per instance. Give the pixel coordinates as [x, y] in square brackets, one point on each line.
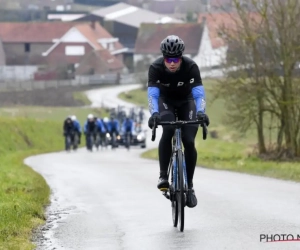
[176, 123]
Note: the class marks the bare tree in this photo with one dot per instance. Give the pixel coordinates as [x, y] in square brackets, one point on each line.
[262, 85]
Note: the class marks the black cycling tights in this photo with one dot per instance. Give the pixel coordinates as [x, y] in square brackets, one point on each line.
[188, 134]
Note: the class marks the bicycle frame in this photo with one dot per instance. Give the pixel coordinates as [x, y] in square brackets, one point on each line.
[177, 149]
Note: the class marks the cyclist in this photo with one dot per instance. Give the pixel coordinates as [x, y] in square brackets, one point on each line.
[90, 128]
[100, 126]
[113, 112]
[77, 127]
[128, 127]
[101, 130]
[174, 82]
[141, 115]
[113, 129]
[105, 121]
[68, 130]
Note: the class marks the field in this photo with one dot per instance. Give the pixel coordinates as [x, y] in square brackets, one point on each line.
[49, 113]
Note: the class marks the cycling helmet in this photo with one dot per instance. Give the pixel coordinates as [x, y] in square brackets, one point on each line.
[73, 118]
[105, 119]
[90, 116]
[172, 46]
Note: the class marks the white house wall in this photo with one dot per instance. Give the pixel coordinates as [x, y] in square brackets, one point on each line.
[207, 56]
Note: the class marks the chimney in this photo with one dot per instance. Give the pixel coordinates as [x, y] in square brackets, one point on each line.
[93, 24]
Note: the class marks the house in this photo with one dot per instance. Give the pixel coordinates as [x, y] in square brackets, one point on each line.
[2, 55]
[83, 41]
[194, 35]
[45, 4]
[123, 21]
[55, 43]
[218, 24]
[175, 6]
[24, 43]
[65, 16]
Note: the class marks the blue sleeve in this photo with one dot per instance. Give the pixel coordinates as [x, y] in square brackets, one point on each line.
[153, 96]
[103, 129]
[78, 126]
[108, 125]
[199, 97]
[99, 124]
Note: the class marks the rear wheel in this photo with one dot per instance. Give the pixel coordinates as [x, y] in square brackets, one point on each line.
[180, 192]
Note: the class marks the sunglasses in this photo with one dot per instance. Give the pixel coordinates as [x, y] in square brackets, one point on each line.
[170, 60]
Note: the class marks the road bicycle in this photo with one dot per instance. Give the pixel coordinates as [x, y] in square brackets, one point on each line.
[177, 191]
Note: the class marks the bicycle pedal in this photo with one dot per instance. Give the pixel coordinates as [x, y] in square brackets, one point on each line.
[166, 195]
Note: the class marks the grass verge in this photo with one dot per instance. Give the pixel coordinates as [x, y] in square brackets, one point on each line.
[136, 96]
[233, 156]
[50, 113]
[23, 192]
[81, 96]
[231, 150]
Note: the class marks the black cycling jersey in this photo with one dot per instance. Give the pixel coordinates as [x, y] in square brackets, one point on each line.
[68, 127]
[91, 127]
[174, 85]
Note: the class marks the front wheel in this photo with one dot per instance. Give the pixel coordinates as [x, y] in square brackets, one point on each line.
[180, 191]
[174, 205]
[68, 143]
[128, 141]
[75, 142]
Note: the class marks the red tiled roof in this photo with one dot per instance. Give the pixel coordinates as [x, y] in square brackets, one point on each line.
[150, 36]
[216, 22]
[33, 32]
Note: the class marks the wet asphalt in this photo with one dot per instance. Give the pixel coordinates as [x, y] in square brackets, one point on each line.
[108, 199]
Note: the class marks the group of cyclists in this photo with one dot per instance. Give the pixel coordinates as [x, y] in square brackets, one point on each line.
[101, 132]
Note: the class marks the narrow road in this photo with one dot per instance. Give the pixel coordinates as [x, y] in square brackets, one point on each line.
[109, 200]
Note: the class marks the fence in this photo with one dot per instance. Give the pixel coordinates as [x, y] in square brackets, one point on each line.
[17, 73]
[92, 80]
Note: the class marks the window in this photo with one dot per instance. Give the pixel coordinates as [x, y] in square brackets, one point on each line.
[27, 47]
[74, 50]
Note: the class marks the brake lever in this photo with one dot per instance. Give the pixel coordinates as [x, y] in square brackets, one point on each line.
[153, 131]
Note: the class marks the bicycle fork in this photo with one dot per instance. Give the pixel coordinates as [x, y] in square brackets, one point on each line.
[173, 184]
